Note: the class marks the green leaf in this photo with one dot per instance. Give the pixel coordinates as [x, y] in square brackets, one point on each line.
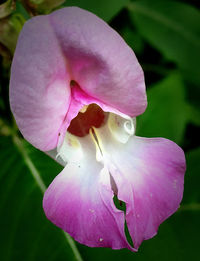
[166, 114]
[104, 9]
[192, 177]
[133, 39]
[177, 240]
[193, 114]
[26, 234]
[22, 11]
[173, 28]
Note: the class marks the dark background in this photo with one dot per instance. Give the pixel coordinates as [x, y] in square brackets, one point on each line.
[165, 35]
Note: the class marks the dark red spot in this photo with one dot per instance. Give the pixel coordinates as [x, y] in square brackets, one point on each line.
[93, 117]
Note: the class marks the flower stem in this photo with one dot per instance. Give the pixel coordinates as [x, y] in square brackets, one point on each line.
[36, 175]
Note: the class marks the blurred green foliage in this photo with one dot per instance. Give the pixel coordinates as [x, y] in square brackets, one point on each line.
[165, 36]
[166, 114]
[172, 28]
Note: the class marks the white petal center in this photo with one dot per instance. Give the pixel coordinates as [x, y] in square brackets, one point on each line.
[121, 128]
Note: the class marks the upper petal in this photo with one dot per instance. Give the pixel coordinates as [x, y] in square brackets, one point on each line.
[39, 85]
[70, 44]
[101, 62]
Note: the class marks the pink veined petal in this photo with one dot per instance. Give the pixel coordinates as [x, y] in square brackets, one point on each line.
[39, 85]
[70, 44]
[79, 200]
[149, 174]
[103, 65]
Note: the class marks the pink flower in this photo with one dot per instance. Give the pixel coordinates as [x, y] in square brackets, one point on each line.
[75, 89]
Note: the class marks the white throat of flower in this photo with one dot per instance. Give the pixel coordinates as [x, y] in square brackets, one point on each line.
[121, 128]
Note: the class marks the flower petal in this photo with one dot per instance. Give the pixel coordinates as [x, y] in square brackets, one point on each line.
[39, 85]
[103, 65]
[149, 175]
[80, 201]
[70, 45]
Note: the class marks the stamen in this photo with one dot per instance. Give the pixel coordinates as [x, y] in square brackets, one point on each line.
[84, 109]
[96, 139]
[99, 152]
